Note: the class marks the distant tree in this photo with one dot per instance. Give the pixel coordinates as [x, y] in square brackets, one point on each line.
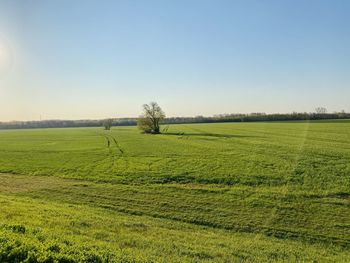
[150, 118]
[321, 110]
[107, 124]
[342, 113]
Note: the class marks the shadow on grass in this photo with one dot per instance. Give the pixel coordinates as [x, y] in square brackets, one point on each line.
[217, 135]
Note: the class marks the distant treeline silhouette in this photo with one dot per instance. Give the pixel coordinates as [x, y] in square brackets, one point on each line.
[252, 117]
[65, 123]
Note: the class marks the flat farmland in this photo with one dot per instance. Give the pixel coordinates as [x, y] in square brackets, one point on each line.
[225, 192]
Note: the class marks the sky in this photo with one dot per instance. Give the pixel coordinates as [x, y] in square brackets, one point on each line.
[100, 59]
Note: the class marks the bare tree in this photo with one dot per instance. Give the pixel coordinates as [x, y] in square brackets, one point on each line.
[150, 118]
[321, 110]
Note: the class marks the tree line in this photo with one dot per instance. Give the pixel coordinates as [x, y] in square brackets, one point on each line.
[146, 125]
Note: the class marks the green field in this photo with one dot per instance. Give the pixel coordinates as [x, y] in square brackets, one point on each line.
[233, 192]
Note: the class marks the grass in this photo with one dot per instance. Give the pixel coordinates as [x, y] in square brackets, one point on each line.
[201, 192]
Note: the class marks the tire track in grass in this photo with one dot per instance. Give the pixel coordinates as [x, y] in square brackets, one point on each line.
[238, 228]
[118, 145]
[111, 139]
[122, 152]
[129, 203]
[154, 202]
[113, 157]
[285, 189]
[257, 236]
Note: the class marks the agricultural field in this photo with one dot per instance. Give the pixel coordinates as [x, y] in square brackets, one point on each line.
[226, 192]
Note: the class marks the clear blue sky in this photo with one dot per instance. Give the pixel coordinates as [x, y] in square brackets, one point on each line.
[96, 59]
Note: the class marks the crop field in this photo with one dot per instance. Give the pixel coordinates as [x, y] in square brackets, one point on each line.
[225, 192]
